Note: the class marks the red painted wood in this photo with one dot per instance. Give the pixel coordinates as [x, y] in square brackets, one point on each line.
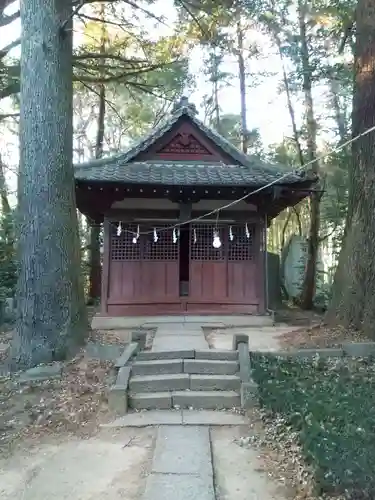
[221, 281]
[106, 266]
[169, 146]
[145, 272]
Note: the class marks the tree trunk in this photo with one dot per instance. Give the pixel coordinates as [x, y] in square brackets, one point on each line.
[95, 270]
[52, 318]
[5, 206]
[306, 298]
[242, 79]
[353, 302]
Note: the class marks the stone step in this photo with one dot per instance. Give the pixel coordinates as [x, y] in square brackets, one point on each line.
[157, 383]
[150, 400]
[209, 400]
[206, 400]
[183, 381]
[212, 354]
[210, 367]
[215, 354]
[215, 383]
[159, 355]
[157, 367]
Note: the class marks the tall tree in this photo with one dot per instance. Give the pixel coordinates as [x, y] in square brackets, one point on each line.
[308, 288]
[353, 302]
[94, 252]
[51, 318]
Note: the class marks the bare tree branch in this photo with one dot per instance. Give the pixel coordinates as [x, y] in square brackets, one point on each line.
[5, 20]
[5, 50]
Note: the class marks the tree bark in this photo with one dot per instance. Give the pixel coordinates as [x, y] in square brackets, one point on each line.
[52, 318]
[353, 302]
[306, 299]
[95, 270]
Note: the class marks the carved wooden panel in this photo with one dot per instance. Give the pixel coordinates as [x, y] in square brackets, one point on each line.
[184, 143]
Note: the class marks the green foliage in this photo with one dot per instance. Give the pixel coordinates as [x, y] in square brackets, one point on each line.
[331, 405]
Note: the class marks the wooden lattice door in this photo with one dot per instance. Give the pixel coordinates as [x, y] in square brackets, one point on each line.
[208, 264]
[146, 271]
[225, 275]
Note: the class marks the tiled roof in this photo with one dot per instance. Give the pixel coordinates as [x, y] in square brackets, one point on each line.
[182, 174]
[122, 169]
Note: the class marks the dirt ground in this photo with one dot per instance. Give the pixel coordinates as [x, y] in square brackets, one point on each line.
[108, 466]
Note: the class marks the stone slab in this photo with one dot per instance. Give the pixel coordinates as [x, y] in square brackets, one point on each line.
[157, 367]
[129, 351]
[123, 376]
[239, 338]
[157, 383]
[147, 418]
[359, 349]
[178, 342]
[244, 361]
[215, 354]
[213, 417]
[182, 450]
[208, 400]
[213, 367]
[104, 352]
[172, 332]
[215, 383]
[41, 373]
[139, 336]
[179, 487]
[151, 401]
[178, 354]
[249, 395]
[118, 399]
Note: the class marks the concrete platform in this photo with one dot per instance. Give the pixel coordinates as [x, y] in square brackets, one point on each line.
[100, 322]
[179, 417]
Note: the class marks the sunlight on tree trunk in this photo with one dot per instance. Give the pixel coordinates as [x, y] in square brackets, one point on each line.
[52, 318]
[353, 302]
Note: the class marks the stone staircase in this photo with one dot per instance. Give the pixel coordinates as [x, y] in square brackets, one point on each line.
[200, 379]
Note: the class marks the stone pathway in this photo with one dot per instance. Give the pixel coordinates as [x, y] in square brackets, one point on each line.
[182, 465]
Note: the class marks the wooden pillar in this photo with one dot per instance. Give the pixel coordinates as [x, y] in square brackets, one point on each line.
[262, 277]
[106, 265]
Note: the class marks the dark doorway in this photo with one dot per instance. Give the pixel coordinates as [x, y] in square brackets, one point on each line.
[184, 260]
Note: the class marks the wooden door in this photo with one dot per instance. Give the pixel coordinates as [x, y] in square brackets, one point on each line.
[143, 276]
[224, 279]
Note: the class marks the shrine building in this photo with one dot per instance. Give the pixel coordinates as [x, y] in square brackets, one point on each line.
[167, 248]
